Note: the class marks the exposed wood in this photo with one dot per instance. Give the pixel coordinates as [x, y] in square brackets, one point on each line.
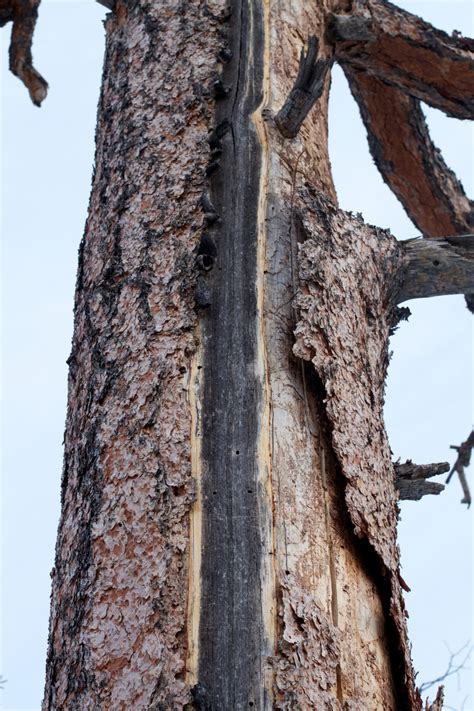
[306, 90]
[348, 347]
[23, 14]
[232, 637]
[462, 462]
[436, 267]
[405, 155]
[401, 49]
[410, 479]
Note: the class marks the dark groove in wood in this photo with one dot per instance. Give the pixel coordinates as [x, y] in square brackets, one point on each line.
[231, 625]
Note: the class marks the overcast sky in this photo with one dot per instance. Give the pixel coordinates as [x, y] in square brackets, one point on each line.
[46, 166]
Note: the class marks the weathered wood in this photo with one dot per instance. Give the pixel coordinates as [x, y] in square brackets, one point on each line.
[307, 89]
[232, 645]
[436, 267]
[401, 49]
[407, 159]
[410, 479]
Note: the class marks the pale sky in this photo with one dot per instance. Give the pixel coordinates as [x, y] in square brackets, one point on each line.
[46, 166]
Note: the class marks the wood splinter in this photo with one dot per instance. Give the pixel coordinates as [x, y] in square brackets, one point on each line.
[410, 479]
[464, 458]
[306, 90]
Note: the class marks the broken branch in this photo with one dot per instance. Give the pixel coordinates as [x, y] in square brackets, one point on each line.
[307, 89]
[410, 479]
[409, 162]
[402, 50]
[23, 14]
[464, 458]
[436, 267]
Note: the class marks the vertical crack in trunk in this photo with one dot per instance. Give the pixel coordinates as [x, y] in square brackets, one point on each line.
[232, 636]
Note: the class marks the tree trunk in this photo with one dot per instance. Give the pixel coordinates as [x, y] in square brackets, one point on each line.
[228, 528]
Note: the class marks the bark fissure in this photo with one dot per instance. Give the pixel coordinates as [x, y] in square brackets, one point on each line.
[231, 626]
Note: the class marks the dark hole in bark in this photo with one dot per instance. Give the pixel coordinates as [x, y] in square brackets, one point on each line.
[435, 262]
[205, 262]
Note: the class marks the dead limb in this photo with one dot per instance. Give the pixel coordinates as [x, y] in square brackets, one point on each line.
[23, 14]
[410, 479]
[402, 50]
[409, 162]
[307, 89]
[437, 704]
[464, 458]
[436, 267]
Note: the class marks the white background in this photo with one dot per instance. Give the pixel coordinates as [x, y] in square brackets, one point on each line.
[47, 157]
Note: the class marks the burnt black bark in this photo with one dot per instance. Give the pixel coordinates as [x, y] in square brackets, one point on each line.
[231, 627]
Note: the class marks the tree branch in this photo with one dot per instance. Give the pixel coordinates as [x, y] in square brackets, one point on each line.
[307, 89]
[462, 462]
[437, 704]
[410, 479]
[436, 267]
[452, 668]
[401, 49]
[23, 14]
[409, 162]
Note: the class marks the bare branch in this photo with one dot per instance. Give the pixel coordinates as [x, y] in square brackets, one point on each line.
[436, 267]
[409, 162]
[23, 14]
[401, 49]
[307, 89]
[410, 479]
[452, 668]
[464, 458]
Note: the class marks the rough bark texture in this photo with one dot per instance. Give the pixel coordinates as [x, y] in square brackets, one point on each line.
[228, 531]
[346, 314]
[118, 620]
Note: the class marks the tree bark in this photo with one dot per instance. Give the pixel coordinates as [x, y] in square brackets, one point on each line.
[229, 508]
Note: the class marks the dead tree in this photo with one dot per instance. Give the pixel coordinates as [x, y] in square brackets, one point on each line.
[229, 503]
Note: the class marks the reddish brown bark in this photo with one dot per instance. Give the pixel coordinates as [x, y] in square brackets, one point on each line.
[228, 528]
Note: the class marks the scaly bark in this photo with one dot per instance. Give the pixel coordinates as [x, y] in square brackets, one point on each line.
[228, 528]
